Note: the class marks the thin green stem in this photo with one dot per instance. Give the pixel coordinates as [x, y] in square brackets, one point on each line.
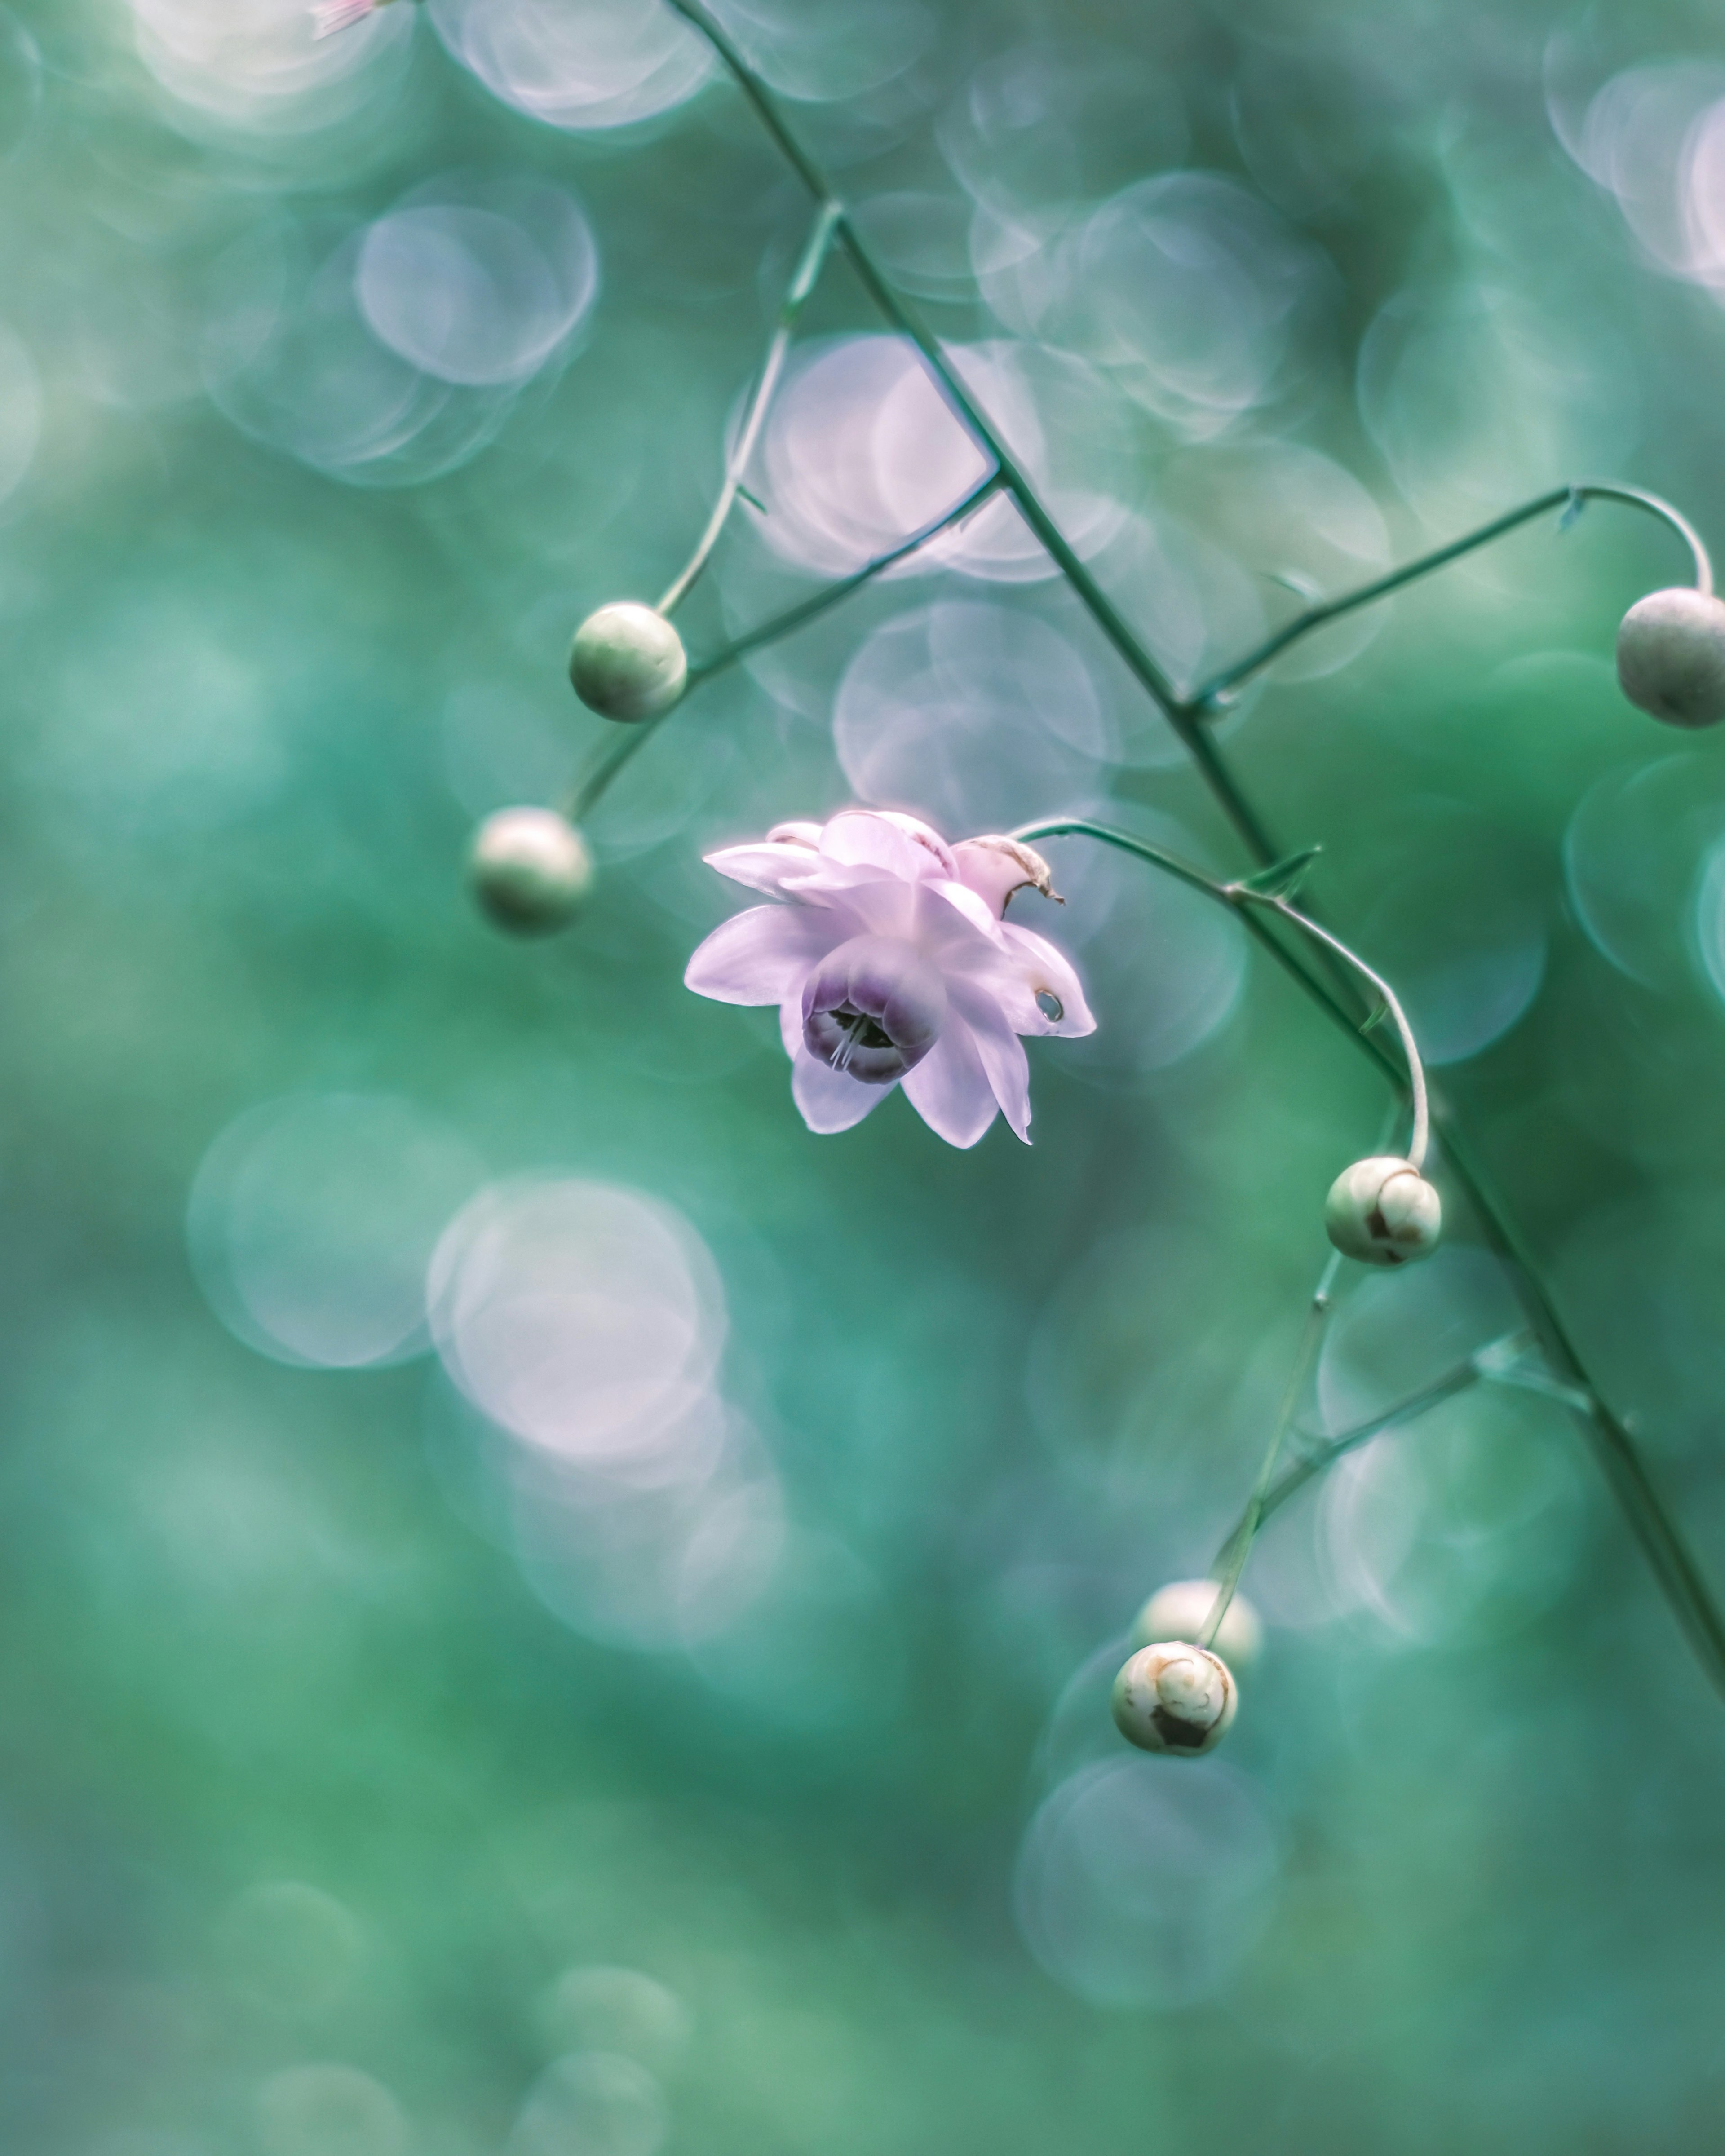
[1300, 1471]
[984, 432]
[1410, 1052]
[1625, 1470]
[1205, 701]
[1242, 900]
[615, 752]
[1673, 1567]
[806, 610]
[803, 280]
[1230, 1564]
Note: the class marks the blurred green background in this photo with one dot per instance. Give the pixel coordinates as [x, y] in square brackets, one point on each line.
[659, 1700]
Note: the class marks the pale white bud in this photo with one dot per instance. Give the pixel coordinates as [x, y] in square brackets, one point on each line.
[530, 869]
[1173, 1698]
[1383, 1212]
[628, 662]
[1670, 656]
[1181, 1610]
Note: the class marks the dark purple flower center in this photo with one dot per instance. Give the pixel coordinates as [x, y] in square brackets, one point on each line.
[873, 1008]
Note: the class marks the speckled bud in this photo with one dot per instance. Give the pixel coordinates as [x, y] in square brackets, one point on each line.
[628, 662]
[1383, 1212]
[1181, 1610]
[1670, 656]
[530, 871]
[1173, 1698]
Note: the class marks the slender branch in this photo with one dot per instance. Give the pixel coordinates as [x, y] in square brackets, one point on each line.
[1679, 1577]
[1313, 1463]
[615, 752]
[1416, 1069]
[1664, 1547]
[1231, 1563]
[1241, 899]
[805, 610]
[984, 432]
[1207, 700]
[802, 282]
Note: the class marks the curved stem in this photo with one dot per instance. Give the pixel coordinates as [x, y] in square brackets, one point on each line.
[802, 282]
[1241, 898]
[1675, 1569]
[615, 752]
[1679, 1577]
[1294, 1478]
[782, 625]
[1416, 1069]
[1231, 1562]
[970, 415]
[1569, 499]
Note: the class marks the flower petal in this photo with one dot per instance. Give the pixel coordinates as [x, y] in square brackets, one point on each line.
[1001, 1053]
[1048, 972]
[795, 835]
[900, 844]
[764, 864]
[829, 1101]
[882, 905]
[994, 867]
[949, 1088]
[760, 956]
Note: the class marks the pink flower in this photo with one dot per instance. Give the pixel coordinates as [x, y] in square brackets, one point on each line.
[891, 965]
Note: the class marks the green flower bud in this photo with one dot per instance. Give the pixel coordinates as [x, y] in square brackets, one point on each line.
[1383, 1212]
[1670, 656]
[628, 662]
[1173, 1698]
[530, 871]
[1181, 1610]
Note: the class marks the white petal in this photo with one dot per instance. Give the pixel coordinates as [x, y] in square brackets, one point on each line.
[926, 837]
[828, 1099]
[758, 957]
[1001, 1052]
[949, 1088]
[883, 906]
[974, 908]
[761, 865]
[790, 1021]
[795, 835]
[1047, 971]
[898, 845]
[994, 867]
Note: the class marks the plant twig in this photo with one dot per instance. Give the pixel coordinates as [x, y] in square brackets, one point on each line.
[1206, 701]
[1662, 1543]
[1625, 1472]
[802, 282]
[1231, 1563]
[615, 754]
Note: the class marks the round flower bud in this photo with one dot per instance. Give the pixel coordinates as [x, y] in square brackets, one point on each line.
[1670, 656]
[1181, 1610]
[530, 869]
[1173, 1698]
[628, 662]
[1383, 1212]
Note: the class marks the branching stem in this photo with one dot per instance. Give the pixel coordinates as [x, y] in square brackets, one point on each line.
[615, 754]
[1410, 1053]
[1673, 1567]
[1207, 701]
[1625, 1472]
[1231, 1563]
[803, 280]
